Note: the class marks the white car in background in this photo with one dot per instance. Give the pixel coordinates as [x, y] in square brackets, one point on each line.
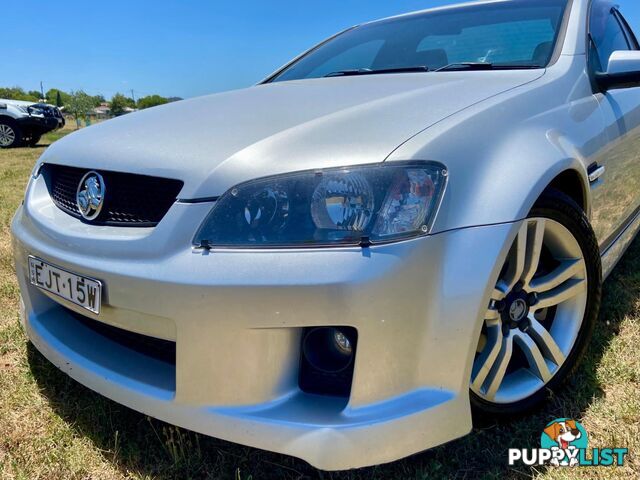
[344, 261]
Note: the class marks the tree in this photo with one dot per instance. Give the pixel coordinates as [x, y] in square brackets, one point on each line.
[53, 93]
[119, 104]
[17, 93]
[34, 94]
[79, 105]
[97, 100]
[151, 101]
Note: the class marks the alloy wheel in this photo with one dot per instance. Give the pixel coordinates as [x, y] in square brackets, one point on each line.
[534, 315]
[7, 135]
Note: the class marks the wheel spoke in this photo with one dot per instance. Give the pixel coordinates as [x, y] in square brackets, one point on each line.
[545, 341]
[482, 365]
[561, 294]
[499, 368]
[492, 315]
[537, 364]
[567, 270]
[517, 260]
[535, 237]
[498, 293]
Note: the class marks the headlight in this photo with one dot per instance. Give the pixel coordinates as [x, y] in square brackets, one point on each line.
[345, 206]
[31, 110]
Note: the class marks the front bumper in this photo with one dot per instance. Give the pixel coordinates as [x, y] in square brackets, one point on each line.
[236, 318]
[41, 124]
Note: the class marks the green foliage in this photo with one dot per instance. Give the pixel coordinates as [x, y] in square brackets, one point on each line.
[62, 98]
[151, 101]
[119, 103]
[52, 96]
[80, 104]
[79, 99]
[95, 100]
[17, 93]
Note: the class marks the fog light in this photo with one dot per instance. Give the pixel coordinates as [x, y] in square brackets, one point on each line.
[327, 349]
[342, 342]
[327, 359]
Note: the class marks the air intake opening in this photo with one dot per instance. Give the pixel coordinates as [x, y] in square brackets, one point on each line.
[157, 348]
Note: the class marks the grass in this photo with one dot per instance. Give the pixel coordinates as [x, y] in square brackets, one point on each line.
[53, 428]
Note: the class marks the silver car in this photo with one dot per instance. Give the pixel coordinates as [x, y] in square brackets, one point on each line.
[405, 224]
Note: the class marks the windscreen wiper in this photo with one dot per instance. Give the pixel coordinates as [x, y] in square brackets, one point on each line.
[477, 66]
[369, 71]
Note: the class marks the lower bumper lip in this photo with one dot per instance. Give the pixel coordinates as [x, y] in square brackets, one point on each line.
[236, 318]
[316, 429]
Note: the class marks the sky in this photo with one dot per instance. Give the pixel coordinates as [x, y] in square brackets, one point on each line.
[175, 48]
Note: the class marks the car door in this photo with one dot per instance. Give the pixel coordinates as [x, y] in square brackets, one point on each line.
[616, 192]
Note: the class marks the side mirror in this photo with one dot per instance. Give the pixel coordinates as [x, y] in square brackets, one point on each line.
[623, 71]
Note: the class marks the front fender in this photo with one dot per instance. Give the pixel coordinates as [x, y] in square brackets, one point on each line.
[504, 186]
[503, 153]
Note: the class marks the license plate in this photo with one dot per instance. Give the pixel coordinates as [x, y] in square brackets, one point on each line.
[82, 291]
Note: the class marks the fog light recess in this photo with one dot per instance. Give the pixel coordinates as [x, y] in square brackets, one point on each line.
[327, 360]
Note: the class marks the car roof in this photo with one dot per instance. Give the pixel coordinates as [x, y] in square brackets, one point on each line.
[442, 8]
[23, 103]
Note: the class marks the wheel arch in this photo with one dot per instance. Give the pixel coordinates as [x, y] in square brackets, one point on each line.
[573, 184]
[566, 175]
[9, 118]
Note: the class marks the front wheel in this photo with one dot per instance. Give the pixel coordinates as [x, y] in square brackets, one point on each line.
[10, 135]
[542, 311]
[33, 140]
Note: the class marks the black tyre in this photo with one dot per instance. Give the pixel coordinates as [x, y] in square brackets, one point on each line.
[10, 133]
[33, 140]
[542, 312]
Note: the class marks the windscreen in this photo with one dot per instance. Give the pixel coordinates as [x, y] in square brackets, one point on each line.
[514, 34]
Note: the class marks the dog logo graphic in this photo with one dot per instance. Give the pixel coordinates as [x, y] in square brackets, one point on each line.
[565, 438]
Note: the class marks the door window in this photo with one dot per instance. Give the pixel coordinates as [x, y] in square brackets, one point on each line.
[631, 37]
[607, 35]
